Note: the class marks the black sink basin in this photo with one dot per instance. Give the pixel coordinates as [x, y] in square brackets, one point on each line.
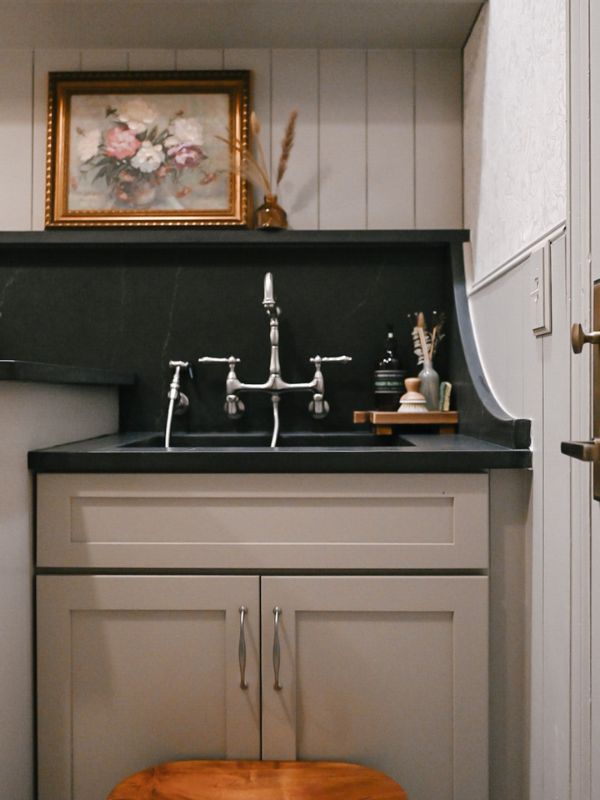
[245, 441]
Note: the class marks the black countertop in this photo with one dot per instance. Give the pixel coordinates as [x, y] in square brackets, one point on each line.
[35, 372]
[408, 453]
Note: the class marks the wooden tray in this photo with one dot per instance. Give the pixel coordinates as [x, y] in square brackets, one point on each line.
[384, 421]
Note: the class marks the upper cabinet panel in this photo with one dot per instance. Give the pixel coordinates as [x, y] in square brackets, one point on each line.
[237, 24]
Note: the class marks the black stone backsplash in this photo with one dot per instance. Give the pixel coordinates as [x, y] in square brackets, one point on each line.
[133, 306]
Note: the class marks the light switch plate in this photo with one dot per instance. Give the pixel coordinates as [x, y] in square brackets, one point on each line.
[539, 291]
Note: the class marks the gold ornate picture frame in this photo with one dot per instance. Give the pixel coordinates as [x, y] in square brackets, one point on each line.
[146, 148]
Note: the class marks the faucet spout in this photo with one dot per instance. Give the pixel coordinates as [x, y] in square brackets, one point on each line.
[275, 385]
[269, 301]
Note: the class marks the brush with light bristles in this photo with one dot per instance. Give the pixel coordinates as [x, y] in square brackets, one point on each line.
[413, 401]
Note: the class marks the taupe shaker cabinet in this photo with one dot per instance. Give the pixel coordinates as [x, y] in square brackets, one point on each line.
[264, 521]
[381, 582]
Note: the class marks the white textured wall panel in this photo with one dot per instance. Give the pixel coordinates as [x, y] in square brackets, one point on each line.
[514, 127]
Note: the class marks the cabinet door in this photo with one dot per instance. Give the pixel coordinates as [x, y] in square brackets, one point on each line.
[138, 670]
[388, 672]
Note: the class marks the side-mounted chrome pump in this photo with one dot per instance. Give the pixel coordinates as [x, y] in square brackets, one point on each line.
[178, 401]
[275, 385]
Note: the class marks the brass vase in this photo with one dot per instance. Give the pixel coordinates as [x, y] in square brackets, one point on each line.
[271, 216]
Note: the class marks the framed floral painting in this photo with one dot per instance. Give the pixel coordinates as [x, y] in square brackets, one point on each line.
[142, 148]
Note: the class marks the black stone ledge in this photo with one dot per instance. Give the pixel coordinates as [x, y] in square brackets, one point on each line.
[35, 372]
[480, 413]
[425, 453]
[222, 237]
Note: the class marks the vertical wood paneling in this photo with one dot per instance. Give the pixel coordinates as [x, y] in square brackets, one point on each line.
[259, 62]
[41, 415]
[513, 360]
[199, 59]
[353, 164]
[589, 87]
[587, 201]
[296, 85]
[390, 139]
[489, 309]
[538, 370]
[343, 139]
[557, 539]
[151, 59]
[16, 93]
[438, 139]
[585, 519]
[508, 643]
[534, 409]
[45, 61]
[584, 69]
[104, 60]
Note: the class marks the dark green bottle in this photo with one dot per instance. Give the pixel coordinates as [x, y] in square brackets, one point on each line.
[389, 376]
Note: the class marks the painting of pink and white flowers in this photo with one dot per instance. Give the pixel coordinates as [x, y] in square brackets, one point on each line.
[146, 149]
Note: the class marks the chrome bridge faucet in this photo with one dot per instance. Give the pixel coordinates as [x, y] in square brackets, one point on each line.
[275, 385]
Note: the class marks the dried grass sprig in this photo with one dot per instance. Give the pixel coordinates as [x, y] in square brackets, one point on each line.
[286, 145]
[255, 128]
[426, 342]
[420, 339]
[254, 168]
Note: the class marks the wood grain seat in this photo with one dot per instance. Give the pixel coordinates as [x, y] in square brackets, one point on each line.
[258, 780]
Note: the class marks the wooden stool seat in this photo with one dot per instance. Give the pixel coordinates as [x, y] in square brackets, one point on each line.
[258, 780]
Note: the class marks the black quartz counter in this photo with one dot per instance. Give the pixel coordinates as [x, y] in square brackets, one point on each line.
[363, 453]
[36, 372]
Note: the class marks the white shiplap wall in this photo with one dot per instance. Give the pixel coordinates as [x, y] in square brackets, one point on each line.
[515, 150]
[531, 375]
[378, 143]
[34, 416]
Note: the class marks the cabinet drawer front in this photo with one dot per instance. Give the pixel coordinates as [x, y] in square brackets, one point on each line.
[263, 521]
